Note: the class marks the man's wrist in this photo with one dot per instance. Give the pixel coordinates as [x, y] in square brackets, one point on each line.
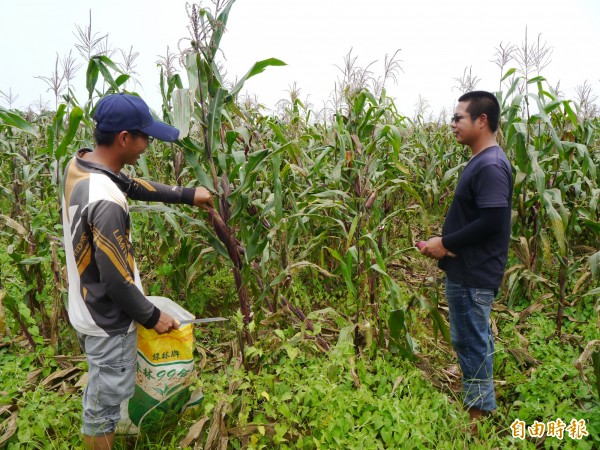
[187, 196]
[153, 320]
[446, 251]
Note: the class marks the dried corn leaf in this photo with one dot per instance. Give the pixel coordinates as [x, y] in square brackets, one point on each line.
[33, 376]
[355, 378]
[574, 339]
[193, 433]
[250, 429]
[523, 358]
[586, 354]
[503, 309]
[9, 427]
[453, 378]
[82, 381]
[396, 384]
[521, 250]
[580, 282]
[494, 328]
[14, 225]
[7, 408]
[536, 306]
[69, 359]
[202, 363]
[453, 370]
[523, 341]
[54, 381]
[573, 319]
[216, 430]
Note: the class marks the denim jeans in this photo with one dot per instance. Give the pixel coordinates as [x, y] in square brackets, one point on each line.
[473, 342]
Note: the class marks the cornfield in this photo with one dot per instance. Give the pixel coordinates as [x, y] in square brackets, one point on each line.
[310, 246]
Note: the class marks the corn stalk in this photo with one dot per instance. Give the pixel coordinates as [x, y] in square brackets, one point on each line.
[555, 189]
[209, 99]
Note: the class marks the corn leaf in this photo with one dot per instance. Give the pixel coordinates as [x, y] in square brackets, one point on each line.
[257, 68]
[91, 77]
[74, 121]
[508, 73]
[200, 174]
[183, 104]
[214, 119]
[14, 120]
[556, 223]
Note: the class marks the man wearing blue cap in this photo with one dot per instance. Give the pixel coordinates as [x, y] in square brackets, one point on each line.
[106, 299]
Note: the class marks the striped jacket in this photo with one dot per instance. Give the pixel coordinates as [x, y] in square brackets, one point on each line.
[106, 297]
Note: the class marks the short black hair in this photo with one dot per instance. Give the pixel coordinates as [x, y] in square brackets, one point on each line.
[108, 138]
[483, 102]
[104, 138]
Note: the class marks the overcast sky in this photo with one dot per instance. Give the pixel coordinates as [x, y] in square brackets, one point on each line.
[438, 40]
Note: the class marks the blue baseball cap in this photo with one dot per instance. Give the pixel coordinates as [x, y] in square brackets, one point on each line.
[124, 112]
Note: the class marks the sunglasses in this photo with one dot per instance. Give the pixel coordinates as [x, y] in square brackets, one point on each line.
[150, 139]
[456, 117]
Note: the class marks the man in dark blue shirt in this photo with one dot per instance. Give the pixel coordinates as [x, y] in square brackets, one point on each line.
[474, 246]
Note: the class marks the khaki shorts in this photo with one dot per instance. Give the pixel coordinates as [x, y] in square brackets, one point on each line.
[111, 380]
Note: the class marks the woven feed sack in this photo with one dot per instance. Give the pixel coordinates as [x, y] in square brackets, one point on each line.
[165, 370]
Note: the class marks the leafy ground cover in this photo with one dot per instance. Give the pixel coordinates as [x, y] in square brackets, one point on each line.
[338, 331]
[296, 396]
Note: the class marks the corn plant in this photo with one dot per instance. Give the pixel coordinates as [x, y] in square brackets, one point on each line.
[298, 195]
[25, 225]
[210, 100]
[556, 191]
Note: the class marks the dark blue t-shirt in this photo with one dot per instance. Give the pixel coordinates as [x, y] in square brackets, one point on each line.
[486, 182]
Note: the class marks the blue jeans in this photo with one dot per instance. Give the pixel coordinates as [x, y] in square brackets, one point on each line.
[473, 342]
